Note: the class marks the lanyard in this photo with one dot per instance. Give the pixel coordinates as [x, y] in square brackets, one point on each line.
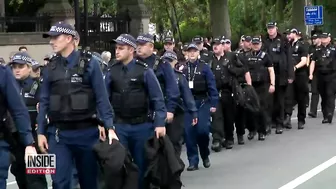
[191, 78]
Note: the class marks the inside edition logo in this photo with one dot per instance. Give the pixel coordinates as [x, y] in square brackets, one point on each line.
[41, 164]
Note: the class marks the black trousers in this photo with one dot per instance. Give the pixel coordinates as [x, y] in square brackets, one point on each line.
[277, 104]
[233, 114]
[217, 124]
[18, 168]
[315, 96]
[256, 122]
[327, 90]
[298, 92]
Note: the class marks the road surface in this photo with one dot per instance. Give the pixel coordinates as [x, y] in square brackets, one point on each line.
[302, 159]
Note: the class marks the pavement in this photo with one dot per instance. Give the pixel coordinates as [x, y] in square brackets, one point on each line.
[302, 159]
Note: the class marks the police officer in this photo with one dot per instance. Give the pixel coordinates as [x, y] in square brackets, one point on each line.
[11, 100]
[169, 45]
[132, 85]
[187, 103]
[71, 93]
[260, 68]
[298, 90]
[246, 44]
[22, 66]
[217, 124]
[275, 45]
[226, 45]
[164, 73]
[202, 84]
[314, 99]
[205, 55]
[324, 62]
[36, 70]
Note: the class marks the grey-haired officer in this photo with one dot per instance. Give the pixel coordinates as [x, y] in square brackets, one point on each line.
[203, 86]
[10, 99]
[164, 72]
[324, 62]
[298, 90]
[275, 44]
[187, 103]
[205, 54]
[21, 65]
[263, 81]
[72, 92]
[135, 92]
[315, 96]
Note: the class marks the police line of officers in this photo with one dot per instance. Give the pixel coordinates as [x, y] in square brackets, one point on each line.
[155, 96]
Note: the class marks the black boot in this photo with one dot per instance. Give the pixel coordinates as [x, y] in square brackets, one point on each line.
[241, 140]
[288, 122]
[251, 135]
[278, 129]
[216, 146]
[301, 125]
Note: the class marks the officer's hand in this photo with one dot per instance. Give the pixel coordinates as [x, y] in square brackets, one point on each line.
[112, 135]
[30, 150]
[212, 110]
[42, 143]
[102, 133]
[37, 107]
[160, 131]
[194, 121]
[290, 81]
[271, 89]
[311, 77]
[170, 117]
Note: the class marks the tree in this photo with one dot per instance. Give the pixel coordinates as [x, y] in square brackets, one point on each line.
[220, 19]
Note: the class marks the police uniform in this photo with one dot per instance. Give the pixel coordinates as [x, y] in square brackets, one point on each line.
[29, 91]
[71, 93]
[175, 130]
[258, 63]
[202, 84]
[135, 93]
[205, 54]
[278, 51]
[164, 73]
[10, 99]
[298, 90]
[325, 66]
[225, 69]
[315, 96]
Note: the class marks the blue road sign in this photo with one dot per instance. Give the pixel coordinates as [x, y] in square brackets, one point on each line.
[313, 15]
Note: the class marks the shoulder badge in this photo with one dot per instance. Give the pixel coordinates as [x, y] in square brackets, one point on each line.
[141, 63]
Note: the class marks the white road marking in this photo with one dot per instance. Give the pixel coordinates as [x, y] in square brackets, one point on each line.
[310, 174]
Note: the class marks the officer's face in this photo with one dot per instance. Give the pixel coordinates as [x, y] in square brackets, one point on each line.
[193, 54]
[325, 40]
[217, 48]
[144, 50]
[316, 41]
[199, 45]
[21, 71]
[271, 31]
[256, 46]
[123, 52]
[247, 44]
[169, 46]
[227, 46]
[36, 73]
[60, 42]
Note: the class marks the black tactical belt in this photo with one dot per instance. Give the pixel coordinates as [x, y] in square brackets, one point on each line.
[75, 125]
[132, 121]
[200, 97]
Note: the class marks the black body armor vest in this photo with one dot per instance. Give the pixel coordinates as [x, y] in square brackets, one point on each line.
[129, 95]
[71, 94]
[256, 66]
[200, 88]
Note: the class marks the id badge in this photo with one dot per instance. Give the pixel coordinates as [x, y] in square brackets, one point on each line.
[191, 84]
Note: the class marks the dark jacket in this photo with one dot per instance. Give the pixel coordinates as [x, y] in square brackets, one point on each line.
[164, 166]
[118, 169]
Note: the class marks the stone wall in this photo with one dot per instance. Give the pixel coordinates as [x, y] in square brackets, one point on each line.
[37, 46]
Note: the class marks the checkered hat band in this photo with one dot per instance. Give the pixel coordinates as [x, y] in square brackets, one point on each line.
[127, 41]
[63, 30]
[170, 55]
[24, 58]
[145, 39]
